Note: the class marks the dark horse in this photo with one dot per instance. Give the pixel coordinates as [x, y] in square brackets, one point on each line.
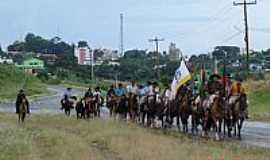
[67, 105]
[23, 109]
[90, 107]
[185, 110]
[80, 110]
[216, 114]
[121, 107]
[111, 104]
[238, 113]
[132, 106]
[153, 108]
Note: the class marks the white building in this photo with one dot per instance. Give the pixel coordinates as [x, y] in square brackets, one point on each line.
[84, 55]
[5, 60]
[174, 53]
[110, 55]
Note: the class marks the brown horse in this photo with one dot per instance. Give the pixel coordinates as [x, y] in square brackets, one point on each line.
[90, 107]
[185, 111]
[111, 104]
[132, 106]
[121, 107]
[217, 115]
[23, 108]
[68, 104]
[197, 114]
[238, 113]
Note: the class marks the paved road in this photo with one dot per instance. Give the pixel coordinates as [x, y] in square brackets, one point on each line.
[254, 133]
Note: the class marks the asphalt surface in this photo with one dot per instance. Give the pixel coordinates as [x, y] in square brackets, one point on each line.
[254, 133]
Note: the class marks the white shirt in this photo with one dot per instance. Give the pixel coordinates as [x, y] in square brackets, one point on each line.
[151, 91]
[134, 89]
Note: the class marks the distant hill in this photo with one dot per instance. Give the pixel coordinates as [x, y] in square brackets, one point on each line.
[12, 79]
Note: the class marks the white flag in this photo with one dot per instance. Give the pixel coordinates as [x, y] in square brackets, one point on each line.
[182, 76]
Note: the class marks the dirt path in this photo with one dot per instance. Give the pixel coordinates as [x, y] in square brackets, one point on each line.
[254, 133]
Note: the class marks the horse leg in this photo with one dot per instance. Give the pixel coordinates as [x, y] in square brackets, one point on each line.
[216, 129]
[240, 127]
[220, 126]
[193, 124]
[178, 123]
[19, 117]
[143, 118]
[229, 124]
[224, 126]
[23, 117]
[235, 123]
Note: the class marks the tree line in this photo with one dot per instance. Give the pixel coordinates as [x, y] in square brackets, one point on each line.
[134, 65]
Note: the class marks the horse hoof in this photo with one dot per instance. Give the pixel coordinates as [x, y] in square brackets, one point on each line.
[217, 137]
[203, 134]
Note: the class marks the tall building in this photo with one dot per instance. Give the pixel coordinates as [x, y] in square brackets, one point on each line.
[174, 53]
[84, 55]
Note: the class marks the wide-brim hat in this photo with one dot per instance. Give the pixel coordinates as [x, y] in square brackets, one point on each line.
[215, 76]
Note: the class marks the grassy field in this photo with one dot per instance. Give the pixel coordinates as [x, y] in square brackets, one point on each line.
[54, 137]
[13, 79]
[259, 98]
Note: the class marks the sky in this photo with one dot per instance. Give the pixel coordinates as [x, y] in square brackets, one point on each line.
[196, 26]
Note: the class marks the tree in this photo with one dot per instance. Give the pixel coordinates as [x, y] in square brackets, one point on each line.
[17, 46]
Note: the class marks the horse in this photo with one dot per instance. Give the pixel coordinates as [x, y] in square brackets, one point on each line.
[196, 114]
[217, 115]
[80, 110]
[154, 109]
[67, 105]
[171, 112]
[238, 113]
[185, 111]
[121, 107]
[90, 107]
[132, 106]
[111, 104]
[23, 110]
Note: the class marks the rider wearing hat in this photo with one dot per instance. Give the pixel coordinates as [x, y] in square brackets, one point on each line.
[21, 95]
[236, 91]
[214, 88]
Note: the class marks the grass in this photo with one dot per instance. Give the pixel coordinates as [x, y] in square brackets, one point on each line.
[259, 98]
[13, 79]
[55, 137]
[259, 105]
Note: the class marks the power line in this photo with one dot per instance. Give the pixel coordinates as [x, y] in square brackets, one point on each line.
[121, 34]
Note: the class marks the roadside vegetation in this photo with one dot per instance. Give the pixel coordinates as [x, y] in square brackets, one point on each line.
[13, 79]
[259, 98]
[55, 137]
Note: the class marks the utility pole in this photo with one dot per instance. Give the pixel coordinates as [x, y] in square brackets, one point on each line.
[92, 65]
[157, 40]
[245, 4]
[121, 34]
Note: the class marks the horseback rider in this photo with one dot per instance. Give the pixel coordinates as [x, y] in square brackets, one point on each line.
[89, 93]
[66, 97]
[236, 91]
[156, 91]
[149, 91]
[120, 92]
[97, 96]
[168, 97]
[21, 97]
[111, 91]
[214, 88]
[132, 91]
[110, 94]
